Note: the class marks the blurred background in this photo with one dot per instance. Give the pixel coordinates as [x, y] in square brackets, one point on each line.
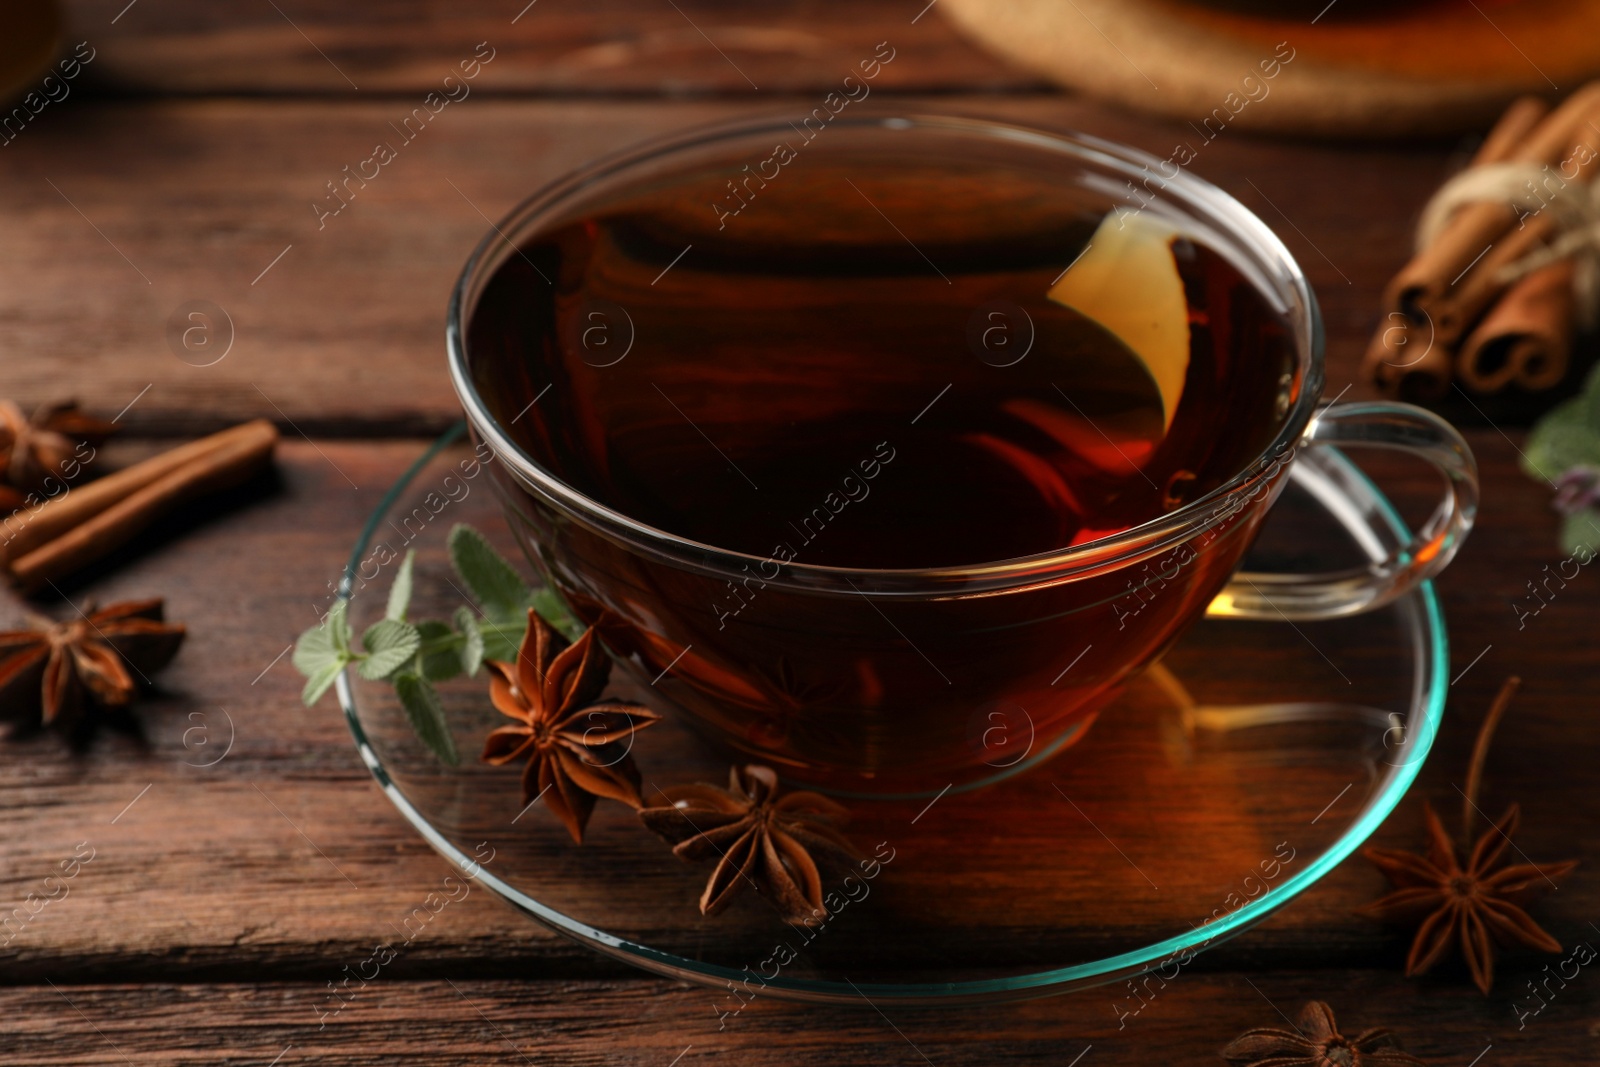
[184, 157]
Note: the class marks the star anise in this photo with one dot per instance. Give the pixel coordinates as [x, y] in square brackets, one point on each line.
[1317, 1044]
[1477, 905]
[32, 450]
[57, 671]
[757, 836]
[578, 747]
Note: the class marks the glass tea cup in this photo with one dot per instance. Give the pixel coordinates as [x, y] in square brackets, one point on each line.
[652, 343]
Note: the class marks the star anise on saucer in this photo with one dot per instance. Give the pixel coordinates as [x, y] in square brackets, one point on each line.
[1478, 904]
[1318, 1043]
[758, 837]
[32, 450]
[56, 672]
[578, 747]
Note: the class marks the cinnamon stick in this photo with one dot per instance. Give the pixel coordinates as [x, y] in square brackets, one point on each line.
[1404, 358]
[1526, 337]
[1456, 291]
[1428, 279]
[24, 531]
[1386, 362]
[1479, 287]
[1511, 129]
[228, 459]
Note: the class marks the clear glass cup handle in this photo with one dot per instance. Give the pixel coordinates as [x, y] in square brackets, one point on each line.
[1373, 424]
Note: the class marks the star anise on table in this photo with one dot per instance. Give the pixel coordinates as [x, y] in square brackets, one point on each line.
[757, 836]
[1318, 1043]
[1478, 904]
[56, 672]
[578, 747]
[32, 450]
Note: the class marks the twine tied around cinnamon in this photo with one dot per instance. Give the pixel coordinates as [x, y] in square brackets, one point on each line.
[1575, 213]
[1507, 262]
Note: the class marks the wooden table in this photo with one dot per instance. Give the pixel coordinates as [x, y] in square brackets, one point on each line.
[222, 899]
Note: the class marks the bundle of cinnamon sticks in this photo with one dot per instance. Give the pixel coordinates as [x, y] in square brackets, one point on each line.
[1467, 309]
[42, 544]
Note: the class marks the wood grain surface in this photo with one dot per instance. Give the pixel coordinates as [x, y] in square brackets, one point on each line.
[612, 47]
[280, 859]
[226, 893]
[649, 1023]
[121, 214]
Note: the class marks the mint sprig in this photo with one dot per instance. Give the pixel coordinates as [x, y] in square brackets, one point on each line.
[1563, 449]
[494, 583]
[412, 656]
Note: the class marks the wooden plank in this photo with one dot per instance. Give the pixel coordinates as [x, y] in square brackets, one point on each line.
[622, 46]
[282, 856]
[118, 215]
[467, 1021]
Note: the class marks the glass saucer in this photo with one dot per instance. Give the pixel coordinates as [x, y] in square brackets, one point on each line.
[1211, 791]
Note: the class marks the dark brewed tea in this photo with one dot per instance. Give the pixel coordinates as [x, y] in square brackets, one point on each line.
[759, 392]
[865, 373]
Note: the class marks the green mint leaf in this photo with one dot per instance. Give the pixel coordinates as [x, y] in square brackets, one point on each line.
[441, 650]
[1563, 439]
[338, 624]
[500, 591]
[502, 594]
[550, 608]
[315, 650]
[390, 645]
[400, 591]
[391, 633]
[320, 680]
[471, 654]
[426, 715]
[501, 641]
[1580, 533]
[1590, 396]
